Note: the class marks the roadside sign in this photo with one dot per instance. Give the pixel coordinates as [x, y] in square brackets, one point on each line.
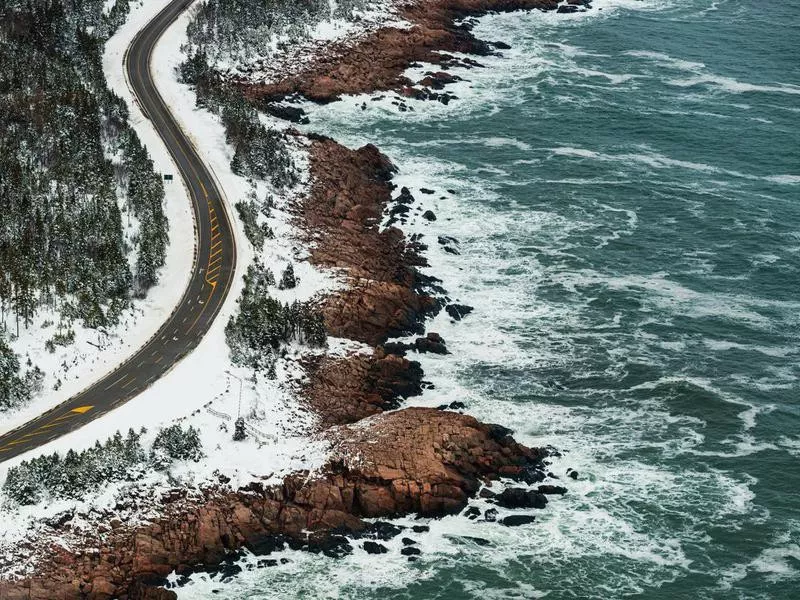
[167, 176]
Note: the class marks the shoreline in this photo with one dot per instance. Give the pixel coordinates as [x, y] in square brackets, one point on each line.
[385, 297]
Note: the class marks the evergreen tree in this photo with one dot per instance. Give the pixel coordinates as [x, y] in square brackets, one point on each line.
[62, 240]
[288, 280]
[117, 459]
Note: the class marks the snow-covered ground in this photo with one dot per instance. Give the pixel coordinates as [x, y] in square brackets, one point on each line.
[274, 55]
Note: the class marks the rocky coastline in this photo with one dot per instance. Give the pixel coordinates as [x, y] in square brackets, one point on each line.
[377, 62]
[385, 460]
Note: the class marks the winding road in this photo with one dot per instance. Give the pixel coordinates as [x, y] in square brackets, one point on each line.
[212, 272]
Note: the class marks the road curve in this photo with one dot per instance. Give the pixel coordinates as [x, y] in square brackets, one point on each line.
[212, 270]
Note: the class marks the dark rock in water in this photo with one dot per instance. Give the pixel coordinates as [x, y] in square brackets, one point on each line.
[410, 551]
[486, 493]
[438, 80]
[429, 215]
[267, 545]
[405, 196]
[267, 562]
[552, 450]
[336, 546]
[572, 473]
[472, 513]
[225, 572]
[400, 209]
[449, 244]
[500, 45]
[456, 405]
[288, 113]
[420, 528]
[427, 191]
[432, 343]
[569, 9]
[449, 191]
[516, 520]
[468, 62]
[478, 540]
[384, 531]
[531, 474]
[490, 515]
[412, 558]
[458, 311]
[374, 548]
[408, 542]
[520, 498]
[551, 489]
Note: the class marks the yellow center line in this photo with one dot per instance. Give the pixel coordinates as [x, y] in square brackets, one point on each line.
[159, 359]
[48, 426]
[69, 415]
[14, 443]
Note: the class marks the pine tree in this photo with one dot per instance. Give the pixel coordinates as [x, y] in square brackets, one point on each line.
[288, 280]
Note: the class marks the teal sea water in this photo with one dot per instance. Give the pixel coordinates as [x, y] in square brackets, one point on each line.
[626, 197]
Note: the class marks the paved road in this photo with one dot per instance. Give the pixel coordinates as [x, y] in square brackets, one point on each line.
[213, 269]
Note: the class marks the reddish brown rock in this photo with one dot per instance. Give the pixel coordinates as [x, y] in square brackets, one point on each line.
[414, 460]
[378, 61]
[346, 390]
[340, 219]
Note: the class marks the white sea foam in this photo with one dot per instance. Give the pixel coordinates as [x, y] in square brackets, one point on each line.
[656, 160]
[775, 563]
[733, 86]
[784, 179]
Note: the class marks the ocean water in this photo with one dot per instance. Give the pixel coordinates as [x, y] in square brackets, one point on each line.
[625, 192]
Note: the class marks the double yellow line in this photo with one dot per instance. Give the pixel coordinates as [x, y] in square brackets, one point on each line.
[75, 412]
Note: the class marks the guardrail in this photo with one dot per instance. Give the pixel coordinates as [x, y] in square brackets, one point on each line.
[219, 415]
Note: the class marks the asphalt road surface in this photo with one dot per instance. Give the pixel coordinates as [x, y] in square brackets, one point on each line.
[212, 271]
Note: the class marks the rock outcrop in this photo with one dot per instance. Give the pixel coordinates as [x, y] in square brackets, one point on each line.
[417, 460]
[344, 390]
[378, 61]
[340, 219]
